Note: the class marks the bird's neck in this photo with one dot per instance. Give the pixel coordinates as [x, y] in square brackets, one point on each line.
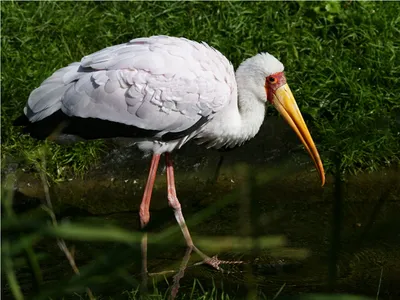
[251, 111]
[251, 98]
[242, 118]
[237, 123]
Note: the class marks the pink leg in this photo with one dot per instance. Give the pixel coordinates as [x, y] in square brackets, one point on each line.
[145, 214]
[145, 205]
[174, 202]
[176, 206]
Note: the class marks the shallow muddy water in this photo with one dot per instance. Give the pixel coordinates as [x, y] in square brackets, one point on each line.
[271, 193]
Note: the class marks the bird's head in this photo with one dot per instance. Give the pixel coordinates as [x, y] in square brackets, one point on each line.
[263, 75]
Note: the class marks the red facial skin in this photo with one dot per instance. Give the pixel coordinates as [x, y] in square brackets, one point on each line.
[272, 83]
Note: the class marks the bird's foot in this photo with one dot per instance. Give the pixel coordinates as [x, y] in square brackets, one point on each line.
[211, 261]
[214, 261]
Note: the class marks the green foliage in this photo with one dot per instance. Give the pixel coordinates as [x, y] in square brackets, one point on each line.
[21, 235]
[341, 58]
[23, 257]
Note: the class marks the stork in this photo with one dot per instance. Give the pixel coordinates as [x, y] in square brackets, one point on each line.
[162, 92]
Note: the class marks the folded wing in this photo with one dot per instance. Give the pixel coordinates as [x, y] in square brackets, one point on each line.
[160, 84]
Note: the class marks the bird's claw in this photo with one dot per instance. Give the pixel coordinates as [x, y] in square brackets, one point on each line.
[215, 262]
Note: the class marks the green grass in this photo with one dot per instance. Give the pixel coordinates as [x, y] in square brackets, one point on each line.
[342, 62]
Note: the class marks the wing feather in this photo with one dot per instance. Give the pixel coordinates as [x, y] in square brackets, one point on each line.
[157, 83]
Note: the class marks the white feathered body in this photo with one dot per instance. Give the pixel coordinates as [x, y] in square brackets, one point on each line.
[162, 84]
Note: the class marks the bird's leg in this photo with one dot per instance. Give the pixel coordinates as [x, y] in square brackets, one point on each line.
[145, 215]
[180, 274]
[218, 169]
[145, 205]
[176, 206]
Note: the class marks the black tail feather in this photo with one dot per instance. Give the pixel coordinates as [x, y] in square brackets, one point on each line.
[92, 128]
[22, 120]
[86, 128]
[42, 129]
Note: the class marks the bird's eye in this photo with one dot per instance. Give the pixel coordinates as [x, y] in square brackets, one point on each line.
[272, 79]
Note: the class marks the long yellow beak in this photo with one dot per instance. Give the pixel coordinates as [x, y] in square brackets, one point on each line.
[284, 102]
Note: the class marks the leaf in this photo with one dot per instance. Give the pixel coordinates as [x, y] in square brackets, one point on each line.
[333, 7]
[93, 233]
[229, 243]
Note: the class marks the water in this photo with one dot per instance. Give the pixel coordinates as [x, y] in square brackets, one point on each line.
[275, 194]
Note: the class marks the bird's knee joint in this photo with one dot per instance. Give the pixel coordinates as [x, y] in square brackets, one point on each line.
[174, 203]
[144, 218]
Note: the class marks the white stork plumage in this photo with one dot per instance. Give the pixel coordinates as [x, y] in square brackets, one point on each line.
[164, 91]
